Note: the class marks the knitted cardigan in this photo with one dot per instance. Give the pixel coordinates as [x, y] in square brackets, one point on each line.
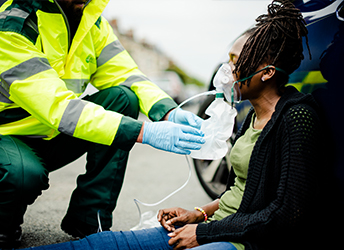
[282, 180]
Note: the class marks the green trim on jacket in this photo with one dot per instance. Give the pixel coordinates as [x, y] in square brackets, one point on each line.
[127, 133]
[160, 109]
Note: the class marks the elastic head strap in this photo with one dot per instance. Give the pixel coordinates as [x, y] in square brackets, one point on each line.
[246, 78]
[278, 69]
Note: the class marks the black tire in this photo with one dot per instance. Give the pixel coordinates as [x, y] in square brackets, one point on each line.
[212, 174]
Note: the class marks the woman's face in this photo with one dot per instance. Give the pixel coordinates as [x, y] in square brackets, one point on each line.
[254, 90]
[235, 50]
[234, 54]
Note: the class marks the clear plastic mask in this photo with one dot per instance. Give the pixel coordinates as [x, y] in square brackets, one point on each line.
[224, 82]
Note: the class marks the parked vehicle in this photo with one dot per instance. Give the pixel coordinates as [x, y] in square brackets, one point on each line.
[323, 18]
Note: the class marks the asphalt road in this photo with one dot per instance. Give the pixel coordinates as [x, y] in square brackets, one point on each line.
[151, 175]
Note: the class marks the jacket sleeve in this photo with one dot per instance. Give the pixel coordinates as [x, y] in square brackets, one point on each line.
[115, 66]
[32, 84]
[295, 189]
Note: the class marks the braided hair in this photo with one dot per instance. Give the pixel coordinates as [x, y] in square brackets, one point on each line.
[277, 40]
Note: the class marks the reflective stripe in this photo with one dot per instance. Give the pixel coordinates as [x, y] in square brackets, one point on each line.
[5, 87]
[76, 85]
[135, 78]
[4, 93]
[71, 116]
[15, 12]
[109, 51]
[4, 96]
[24, 70]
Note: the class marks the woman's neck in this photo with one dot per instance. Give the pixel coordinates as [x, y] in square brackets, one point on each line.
[264, 106]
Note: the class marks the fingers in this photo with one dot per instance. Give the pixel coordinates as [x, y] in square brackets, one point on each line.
[188, 145]
[180, 151]
[194, 120]
[168, 226]
[184, 237]
[173, 235]
[180, 220]
[160, 214]
[174, 241]
[187, 118]
[199, 122]
[187, 139]
[164, 215]
[191, 130]
[165, 223]
[190, 134]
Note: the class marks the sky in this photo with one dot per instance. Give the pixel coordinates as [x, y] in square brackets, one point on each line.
[195, 34]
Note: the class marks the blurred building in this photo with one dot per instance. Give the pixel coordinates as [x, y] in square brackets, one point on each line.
[147, 56]
[156, 65]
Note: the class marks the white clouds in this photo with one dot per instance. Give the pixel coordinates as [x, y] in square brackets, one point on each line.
[194, 33]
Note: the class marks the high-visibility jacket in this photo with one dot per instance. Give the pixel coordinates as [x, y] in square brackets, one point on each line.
[43, 72]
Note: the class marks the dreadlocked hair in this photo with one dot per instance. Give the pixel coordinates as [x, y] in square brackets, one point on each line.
[277, 40]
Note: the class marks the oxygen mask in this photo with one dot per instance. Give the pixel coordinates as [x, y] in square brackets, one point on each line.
[218, 128]
[224, 83]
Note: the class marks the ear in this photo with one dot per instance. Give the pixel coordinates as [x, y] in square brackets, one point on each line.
[268, 73]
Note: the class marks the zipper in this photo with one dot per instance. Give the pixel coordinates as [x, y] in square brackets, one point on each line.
[67, 24]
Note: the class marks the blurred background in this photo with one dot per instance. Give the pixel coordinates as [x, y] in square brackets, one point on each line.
[187, 38]
[179, 44]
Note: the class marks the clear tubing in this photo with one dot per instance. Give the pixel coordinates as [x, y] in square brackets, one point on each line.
[168, 196]
[137, 202]
[212, 92]
[99, 222]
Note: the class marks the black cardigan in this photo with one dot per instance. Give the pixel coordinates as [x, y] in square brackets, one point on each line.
[282, 180]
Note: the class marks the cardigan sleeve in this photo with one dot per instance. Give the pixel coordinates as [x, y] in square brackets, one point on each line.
[298, 155]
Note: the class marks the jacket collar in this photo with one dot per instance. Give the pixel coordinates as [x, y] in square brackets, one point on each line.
[92, 11]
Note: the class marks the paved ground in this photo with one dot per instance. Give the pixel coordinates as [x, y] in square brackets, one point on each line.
[151, 175]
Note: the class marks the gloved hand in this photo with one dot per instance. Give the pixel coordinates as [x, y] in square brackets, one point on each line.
[185, 117]
[172, 137]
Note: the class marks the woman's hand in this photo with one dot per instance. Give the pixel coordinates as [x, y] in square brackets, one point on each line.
[184, 237]
[176, 216]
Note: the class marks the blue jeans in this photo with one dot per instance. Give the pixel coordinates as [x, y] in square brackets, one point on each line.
[146, 239]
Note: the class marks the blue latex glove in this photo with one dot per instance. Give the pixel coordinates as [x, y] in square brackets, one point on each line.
[172, 137]
[185, 117]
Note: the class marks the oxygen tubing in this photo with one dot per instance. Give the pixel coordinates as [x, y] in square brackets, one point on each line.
[137, 202]
[211, 92]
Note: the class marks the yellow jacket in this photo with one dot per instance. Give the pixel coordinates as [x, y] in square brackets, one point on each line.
[43, 72]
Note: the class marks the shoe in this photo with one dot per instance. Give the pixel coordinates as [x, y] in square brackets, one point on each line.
[10, 240]
[77, 228]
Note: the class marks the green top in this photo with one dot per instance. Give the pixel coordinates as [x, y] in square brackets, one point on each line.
[239, 159]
